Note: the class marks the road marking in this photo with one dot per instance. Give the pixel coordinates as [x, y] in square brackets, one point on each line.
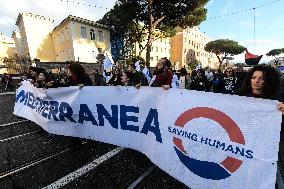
[141, 178]
[8, 124]
[18, 136]
[12, 172]
[83, 170]
[7, 93]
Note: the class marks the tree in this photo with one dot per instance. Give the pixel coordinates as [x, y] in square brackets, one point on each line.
[223, 48]
[276, 54]
[122, 27]
[192, 65]
[166, 15]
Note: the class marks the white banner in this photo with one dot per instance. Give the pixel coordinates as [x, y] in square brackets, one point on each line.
[205, 140]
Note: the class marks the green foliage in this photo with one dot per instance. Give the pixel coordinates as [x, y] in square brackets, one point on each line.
[124, 28]
[192, 65]
[129, 21]
[223, 48]
[134, 59]
[275, 52]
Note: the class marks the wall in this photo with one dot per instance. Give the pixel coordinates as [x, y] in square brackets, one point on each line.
[160, 48]
[63, 44]
[86, 50]
[36, 38]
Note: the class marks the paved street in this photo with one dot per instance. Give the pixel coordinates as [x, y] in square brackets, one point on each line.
[30, 160]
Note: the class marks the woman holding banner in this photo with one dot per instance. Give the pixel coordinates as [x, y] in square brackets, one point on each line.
[263, 82]
[78, 76]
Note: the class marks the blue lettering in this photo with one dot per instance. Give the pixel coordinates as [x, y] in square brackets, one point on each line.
[86, 115]
[204, 140]
[53, 110]
[21, 95]
[230, 148]
[124, 118]
[210, 143]
[219, 144]
[187, 134]
[65, 111]
[31, 100]
[152, 116]
[249, 154]
[45, 104]
[240, 151]
[102, 112]
[194, 137]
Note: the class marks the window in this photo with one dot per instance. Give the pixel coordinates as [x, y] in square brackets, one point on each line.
[101, 36]
[83, 33]
[151, 58]
[157, 58]
[161, 49]
[92, 34]
[157, 49]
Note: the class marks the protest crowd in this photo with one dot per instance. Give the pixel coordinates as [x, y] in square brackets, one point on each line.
[262, 81]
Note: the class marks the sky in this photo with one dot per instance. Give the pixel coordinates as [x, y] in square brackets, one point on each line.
[269, 27]
[238, 27]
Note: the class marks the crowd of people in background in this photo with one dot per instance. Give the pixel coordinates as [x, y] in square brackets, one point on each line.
[262, 81]
[209, 80]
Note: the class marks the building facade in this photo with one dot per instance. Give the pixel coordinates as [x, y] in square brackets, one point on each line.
[18, 43]
[78, 39]
[188, 45]
[7, 50]
[74, 39]
[161, 48]
[35, 34]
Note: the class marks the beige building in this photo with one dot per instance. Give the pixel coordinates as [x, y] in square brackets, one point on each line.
[78, 39]
[188, 45]
[161, 48]
[74, 39]
[35, 34]
[7, 50]
[18, 43]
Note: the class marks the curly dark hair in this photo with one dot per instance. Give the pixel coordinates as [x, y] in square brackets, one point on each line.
[271, 82]
[77, 70]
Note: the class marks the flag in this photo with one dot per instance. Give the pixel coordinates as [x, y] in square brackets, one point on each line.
[107, 65]
[198, 66]
[146, 72]
[252, 59]
[175, 83]
[137, 65]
